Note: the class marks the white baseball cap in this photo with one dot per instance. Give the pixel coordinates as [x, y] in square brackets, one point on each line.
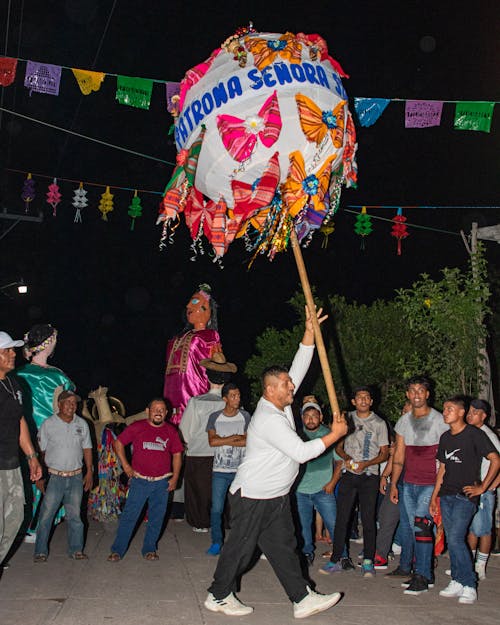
[7, 341]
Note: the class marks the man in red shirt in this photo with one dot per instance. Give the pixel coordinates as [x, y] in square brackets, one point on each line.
[156, 463]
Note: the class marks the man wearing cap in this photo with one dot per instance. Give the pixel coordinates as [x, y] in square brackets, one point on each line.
[316, 487]
[479, 538]
[64, 440]
[15, 434]
[259, 494]
[199, 454]
[156, 464]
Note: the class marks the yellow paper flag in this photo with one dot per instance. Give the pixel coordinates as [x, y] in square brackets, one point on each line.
[88, 81]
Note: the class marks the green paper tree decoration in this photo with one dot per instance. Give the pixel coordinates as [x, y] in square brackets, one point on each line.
[363, 226]
[135, 209]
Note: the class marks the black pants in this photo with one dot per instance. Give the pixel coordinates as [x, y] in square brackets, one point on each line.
[198, 490]
[366, 488]
[266, 523]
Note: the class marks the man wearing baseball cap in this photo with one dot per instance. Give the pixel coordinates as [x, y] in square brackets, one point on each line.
[15, 434]
[64, 440]
[479, 538]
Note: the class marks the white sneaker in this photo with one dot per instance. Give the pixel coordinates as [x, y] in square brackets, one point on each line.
[230, 605]
[314, 602]
[200, 530]
[396, 549]
[480, 568]
[469, 595]
[30, 538]
[454, 589]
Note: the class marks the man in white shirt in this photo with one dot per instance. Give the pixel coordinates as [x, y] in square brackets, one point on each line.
[259, 493]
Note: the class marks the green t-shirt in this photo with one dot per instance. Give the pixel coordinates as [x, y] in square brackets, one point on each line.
[319, 470]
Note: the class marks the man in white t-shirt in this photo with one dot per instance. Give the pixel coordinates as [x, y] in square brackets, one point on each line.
[259, 494]
[479, 538]
[226, 430]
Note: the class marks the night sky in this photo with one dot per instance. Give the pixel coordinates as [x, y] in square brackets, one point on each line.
[113, 296]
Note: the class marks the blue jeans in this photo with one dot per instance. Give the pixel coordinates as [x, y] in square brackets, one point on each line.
[416, 499]
[66, 490]
[457, 512]
[141, 491]
[325, 504]
[482, 522]
[404, 534]
[220, 485]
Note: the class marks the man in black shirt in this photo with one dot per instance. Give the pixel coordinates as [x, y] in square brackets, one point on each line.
[15, 434]
[459, 485]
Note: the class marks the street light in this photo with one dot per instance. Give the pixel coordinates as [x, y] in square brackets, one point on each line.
[22, 287]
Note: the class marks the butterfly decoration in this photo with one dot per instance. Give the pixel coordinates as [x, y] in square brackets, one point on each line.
[265, 51]
[319, 48]
[239, 136]
[316, 124]
[300, 189]
[251, 198]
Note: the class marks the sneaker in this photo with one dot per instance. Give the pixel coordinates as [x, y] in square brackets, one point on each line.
[454, 589]
[367, 568]
[314, 602]
[331, 567]
[379, 562]
[417, 586]
[200, 530]
[447, 572]
[214, 549]
[430, 582]
[347, 564]
[309, 558]
[480, 568]
[495, 552]
[398, 572]
[30, 538]
[469, 595]
[230, 605]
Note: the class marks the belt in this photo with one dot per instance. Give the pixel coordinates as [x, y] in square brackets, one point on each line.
[153, 479]
[64, 473]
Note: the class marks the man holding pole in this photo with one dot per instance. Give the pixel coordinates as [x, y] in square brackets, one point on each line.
[260, 507]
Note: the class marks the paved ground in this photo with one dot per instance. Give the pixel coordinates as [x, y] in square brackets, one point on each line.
[172, 590]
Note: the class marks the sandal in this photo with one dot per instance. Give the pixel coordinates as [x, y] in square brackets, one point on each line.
[114, 557]
[40, 557]
[79, 555]
[152, 555]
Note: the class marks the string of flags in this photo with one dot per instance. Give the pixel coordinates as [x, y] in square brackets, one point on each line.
[137, 92]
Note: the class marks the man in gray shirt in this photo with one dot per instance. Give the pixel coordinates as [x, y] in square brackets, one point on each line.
[64, 439]
[362, 452]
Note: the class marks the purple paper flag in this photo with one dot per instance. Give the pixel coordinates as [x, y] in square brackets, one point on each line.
[423, 113]
[42, 77]
[173, 88]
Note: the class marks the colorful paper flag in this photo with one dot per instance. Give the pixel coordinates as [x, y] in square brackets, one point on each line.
[173, 89]
[88, 81]
[134, 91]
[7, 71]
[42, 77]
[423, 113]
[474, 116]
[369, 110]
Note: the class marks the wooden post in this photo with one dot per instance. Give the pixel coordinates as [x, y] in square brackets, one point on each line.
[320, 344]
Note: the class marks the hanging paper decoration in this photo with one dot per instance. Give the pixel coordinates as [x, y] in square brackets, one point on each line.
[88, 81]
[28, 192]
[106, 203]
[399, 229]
[134, 91]
[7, 71]
[363, 226]
[80, 201]
[278, 144]
[172, 92]
[369, 110]
[135, 209]
[422, 113]
[53, 196]
[327, 229]
[474, 116]
[42, 77]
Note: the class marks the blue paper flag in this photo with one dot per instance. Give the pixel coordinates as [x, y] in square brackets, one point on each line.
[369, 110]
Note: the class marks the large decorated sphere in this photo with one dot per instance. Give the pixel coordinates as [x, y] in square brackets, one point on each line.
[262, 127]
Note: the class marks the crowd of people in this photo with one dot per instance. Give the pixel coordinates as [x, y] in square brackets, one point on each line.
[259, 483]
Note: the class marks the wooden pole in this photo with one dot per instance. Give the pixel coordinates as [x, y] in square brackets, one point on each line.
[320, 344]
